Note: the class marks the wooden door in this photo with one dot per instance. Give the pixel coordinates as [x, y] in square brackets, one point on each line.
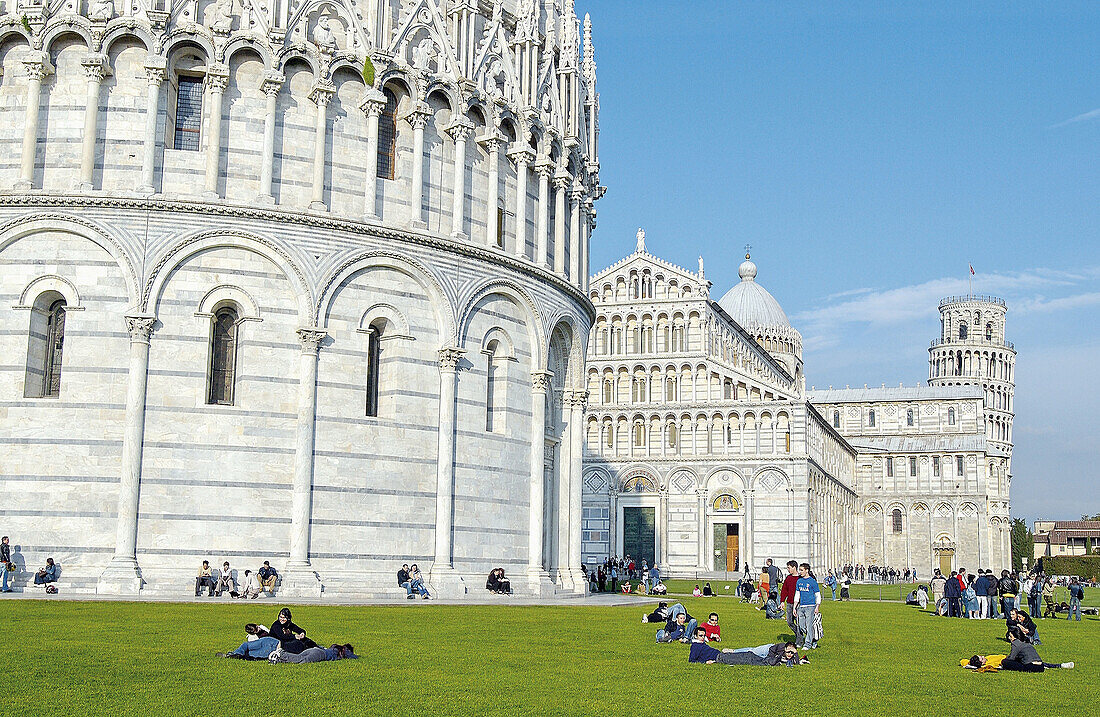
[731, 552]
[946, 558]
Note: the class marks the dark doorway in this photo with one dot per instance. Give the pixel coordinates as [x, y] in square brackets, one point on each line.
[639, 534]
[727, 546]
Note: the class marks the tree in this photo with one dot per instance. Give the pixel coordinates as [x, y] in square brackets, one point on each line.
[1088, 545]
[1091, 517]
[1023, 544]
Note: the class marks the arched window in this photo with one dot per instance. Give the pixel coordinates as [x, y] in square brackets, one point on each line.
[609, 435]
[963, 330]
[936, 466]
[951, 417]
[889, 467]
[896, 515]
[725, 503]
[500, 227]
[912, 466]
[223, 357]
[495, 386]
[871, 418]
[672, 433]
[187, 111]
[909, 417]
[374, 366]
[607, 388]
[989, 332]
[45, 347]
[639, 435]
[836, 419]
[387, 138]
[670, 389]
[958, 465]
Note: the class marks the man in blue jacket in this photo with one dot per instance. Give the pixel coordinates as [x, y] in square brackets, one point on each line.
[980, 586]
[1076, 595]
[952, 593]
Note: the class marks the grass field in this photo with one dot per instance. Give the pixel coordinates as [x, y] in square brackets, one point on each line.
[77, 658]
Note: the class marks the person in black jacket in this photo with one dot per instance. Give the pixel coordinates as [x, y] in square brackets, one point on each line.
[291, 638]
[405, 581]
[1021, 627]
[497, 584]
[1008, 587]
[993, 590]
[952, 592]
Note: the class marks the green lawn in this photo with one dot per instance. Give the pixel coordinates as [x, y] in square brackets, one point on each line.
[152, 659]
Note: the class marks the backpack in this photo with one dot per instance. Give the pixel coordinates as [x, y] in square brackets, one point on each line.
[51, 589]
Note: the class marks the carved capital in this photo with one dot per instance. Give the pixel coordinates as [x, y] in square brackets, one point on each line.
[460, 130]
[521, 155]
[419, 116]
[562, 180]
[156, 69]
[322, 93]
[140, 328]
[95, 66]
[544, 167]
[540, 381]
[449, 356]
[37, 66]
[578, 192]
[577, 400]
[310, 338]
[217, 78]
[272, 84]
[373, 102]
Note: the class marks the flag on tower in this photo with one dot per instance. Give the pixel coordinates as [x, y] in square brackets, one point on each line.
[972, 270]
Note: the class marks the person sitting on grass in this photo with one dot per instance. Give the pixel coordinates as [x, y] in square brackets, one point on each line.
[677, 629]
[315, 654]
[697, 592]
[707, 590]
[497, 584]
[291, 638]
[658, 615]
[781, 653]
[1023, 657]
[712, 628]
[659, 589]
[772, 611]
[204, 579]
[47, 574]
[1021, 626]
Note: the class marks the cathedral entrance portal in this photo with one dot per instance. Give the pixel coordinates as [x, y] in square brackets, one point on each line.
[947, 557]
[727, 546]
[639, 534]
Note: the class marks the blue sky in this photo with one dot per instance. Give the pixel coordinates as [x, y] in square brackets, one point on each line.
[868, 152]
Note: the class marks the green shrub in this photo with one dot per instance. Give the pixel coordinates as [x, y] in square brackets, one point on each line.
[1079, 565]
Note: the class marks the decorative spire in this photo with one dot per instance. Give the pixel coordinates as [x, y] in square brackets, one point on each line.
[702, 274]
[570, 36]
[640, 248]
[589, 67]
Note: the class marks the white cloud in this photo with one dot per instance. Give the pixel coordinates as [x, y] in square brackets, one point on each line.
[1040, 304]
[1083, 117]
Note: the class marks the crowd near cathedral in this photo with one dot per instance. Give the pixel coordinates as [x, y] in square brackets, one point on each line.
[309, 282]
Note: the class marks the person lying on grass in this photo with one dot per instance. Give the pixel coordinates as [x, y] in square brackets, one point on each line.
[291, 638]
[1022, 658]
[781, 653]
[658, 615]
[314, 654]
[677, 628]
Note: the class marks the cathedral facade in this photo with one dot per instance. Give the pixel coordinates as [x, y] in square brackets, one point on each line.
[300, 282]
[706, 453]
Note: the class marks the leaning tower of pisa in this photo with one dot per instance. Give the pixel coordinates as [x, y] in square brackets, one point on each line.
[972, 350]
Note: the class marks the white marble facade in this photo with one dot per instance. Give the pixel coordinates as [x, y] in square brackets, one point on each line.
[158, 166]
[699, 415]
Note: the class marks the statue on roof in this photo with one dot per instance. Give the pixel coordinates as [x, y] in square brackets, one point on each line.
[640, 248]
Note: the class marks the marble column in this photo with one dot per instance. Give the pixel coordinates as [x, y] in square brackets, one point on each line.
[418, 118]
[576, 239]
[123, 576]
[155, 73]
[95, 68]
[662, 531]
[37, 66]
[492, 143]
[540, 385]
[373, 104]
[272, 85]
[217, 79]
[321, 95]
[563, 576]
[460, 132]
[704, 563]
[545, 169]
[449, 358]
[562, 181]
[523, 158]
[577, 409]
[299, 578]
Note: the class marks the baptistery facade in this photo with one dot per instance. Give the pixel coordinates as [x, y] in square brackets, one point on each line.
[299, 282]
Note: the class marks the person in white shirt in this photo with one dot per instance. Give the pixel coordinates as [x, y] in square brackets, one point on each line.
[251, 587]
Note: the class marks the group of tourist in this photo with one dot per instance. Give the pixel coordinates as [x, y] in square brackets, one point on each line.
[877, 573]
[606, 577]
[412, 580]
[985, 596]
[679, 626]
[46, 576]
[285, 642]
[254, 584]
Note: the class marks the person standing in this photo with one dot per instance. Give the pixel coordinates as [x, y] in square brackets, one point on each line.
[981, 592]
[938, 583]
[830, 580]
[773, 575]
[5, 563]
[953, 594]
[766, 586]
[786, 597]
[1008, 587]
[1076, 595]
[993, 589]
[807, 601]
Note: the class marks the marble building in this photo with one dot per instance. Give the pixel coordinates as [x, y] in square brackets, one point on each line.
[302, 282]
[705, 451]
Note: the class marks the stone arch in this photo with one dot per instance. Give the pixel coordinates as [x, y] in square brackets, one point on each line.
[193, 36]
[391, 314]
[54, 283]
[564, 326]
[21, 227]
[444, 310]
[239, 44]
[518, 296]
[15, 29]
[679, 476]
[192, 245]
[725, 478]
[69, 25]
[771, 479]
[249, 309]
[639, 480]
[299, 53]
[501, 336]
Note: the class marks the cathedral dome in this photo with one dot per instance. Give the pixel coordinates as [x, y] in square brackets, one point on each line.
[750, 304]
